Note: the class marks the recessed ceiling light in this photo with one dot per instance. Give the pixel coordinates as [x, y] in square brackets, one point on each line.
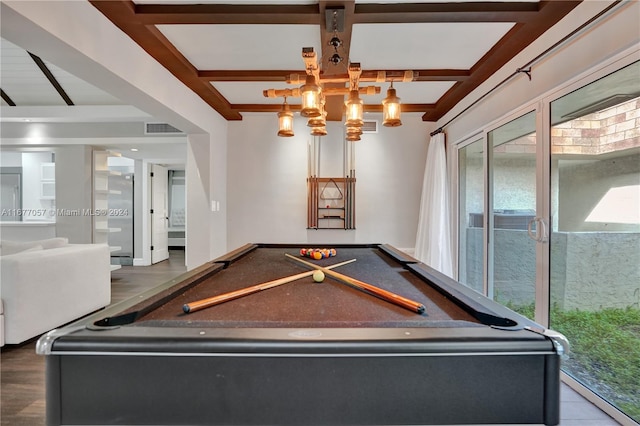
[26, 119]
[134, 149]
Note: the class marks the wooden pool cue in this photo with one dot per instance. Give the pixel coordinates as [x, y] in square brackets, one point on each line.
[216, 300]
[376, 291]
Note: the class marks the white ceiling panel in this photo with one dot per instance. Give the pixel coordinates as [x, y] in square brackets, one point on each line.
[250, 47]
[238, 2]
[423, 45]
[285, 2]
[81, 92]
[438, 1]
[23, 81]
[153, 149]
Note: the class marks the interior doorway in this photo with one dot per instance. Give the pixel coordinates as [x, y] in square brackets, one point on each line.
[159, 213]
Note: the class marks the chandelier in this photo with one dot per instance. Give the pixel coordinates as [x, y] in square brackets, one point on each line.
[313, 94]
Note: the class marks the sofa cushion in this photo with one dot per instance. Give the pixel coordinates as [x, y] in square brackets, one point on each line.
[51, 243]
[27, 250]
[13, 247]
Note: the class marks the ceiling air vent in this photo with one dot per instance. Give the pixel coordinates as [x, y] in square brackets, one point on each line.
[370, 126]
[160, 129]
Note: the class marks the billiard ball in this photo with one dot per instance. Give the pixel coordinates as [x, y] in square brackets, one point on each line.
[318, 276]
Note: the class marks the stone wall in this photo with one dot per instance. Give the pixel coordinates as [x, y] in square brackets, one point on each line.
[601, 270]
[589, 270]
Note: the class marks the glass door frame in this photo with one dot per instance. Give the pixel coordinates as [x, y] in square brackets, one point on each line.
[542, 105]
[617, 62]
[542, 205]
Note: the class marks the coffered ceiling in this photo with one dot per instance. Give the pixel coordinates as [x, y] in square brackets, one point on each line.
[228, 52]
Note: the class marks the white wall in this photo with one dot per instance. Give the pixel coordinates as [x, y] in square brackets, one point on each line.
[10, 159]
[74, 192]
[197, 195]
[267, 192]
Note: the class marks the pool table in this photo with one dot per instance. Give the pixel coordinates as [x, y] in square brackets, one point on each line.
[304, 352]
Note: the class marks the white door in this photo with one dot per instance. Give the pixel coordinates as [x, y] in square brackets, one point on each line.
[159, 214]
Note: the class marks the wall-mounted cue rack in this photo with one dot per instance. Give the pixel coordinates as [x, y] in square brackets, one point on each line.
[331, 201]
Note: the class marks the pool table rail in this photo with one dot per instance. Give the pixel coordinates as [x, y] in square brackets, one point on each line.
[479, 363]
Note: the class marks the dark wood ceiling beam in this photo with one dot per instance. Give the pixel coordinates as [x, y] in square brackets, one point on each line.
[6, 98]
[445, 12]
[264, 107]
[334, 105]
[296, 107]
[248, 75]
[122, 14]
[367, 75]
[226, 14]
[518, 38]
[52, 79]
[405, 107]
[442, 75]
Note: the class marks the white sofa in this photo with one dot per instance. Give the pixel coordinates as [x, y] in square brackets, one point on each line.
[45, 284]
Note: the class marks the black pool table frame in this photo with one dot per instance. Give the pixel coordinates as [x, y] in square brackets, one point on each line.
[99, 371]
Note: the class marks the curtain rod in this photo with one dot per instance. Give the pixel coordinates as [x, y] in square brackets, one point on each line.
[527, 67]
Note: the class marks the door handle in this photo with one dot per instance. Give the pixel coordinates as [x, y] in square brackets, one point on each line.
[541, 230]
[544, 236]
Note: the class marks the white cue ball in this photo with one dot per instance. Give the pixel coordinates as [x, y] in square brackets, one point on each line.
[318, 276]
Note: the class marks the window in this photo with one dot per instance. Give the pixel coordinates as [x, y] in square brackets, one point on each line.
[471, 210]
[28, 186]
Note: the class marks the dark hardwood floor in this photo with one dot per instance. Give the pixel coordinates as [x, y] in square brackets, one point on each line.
[22, 390]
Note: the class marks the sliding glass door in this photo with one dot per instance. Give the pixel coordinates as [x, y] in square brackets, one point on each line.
[497, 174]
[549, 225]
[595, 240]
[512, 206]
[471, 207]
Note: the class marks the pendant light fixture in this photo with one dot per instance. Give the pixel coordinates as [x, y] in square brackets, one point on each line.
[320, 120]
[391, 109]
[353, 133]
[310, 93]
[319, 131]
[314, 93]
[355, 110]
[285, 120]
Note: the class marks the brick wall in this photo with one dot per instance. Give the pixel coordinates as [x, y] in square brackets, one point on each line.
[613, 129]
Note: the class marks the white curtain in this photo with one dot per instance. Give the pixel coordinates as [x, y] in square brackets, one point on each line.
[433, 244]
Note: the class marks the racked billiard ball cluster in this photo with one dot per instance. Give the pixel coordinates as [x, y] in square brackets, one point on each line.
[317, 253]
